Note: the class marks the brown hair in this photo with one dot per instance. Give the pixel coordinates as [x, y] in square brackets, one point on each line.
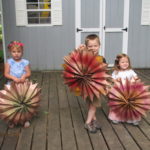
[92, 37]
[118, 57]
[15, 44]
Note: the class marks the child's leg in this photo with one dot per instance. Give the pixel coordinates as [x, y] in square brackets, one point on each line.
[91, 114]
[89, 125]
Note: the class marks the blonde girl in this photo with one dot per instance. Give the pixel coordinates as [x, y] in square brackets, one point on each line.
[122, 70]
[16, 68]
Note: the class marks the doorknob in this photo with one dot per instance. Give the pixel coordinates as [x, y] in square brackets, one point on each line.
[125, 29]
[79, 30]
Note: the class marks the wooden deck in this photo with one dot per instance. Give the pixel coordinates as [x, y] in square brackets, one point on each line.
[59, 124]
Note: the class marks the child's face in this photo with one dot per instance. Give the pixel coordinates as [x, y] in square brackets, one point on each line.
[124, 63]
[93, 45]
[16, 53]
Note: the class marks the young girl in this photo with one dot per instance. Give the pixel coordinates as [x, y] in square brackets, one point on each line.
[122, 70]
[17, 69]
[92, 43]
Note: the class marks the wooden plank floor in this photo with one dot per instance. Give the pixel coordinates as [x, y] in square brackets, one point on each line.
[59, 124]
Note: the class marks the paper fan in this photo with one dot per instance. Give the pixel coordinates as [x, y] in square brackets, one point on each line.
[85, 74]
[19, 102]
[129, 100]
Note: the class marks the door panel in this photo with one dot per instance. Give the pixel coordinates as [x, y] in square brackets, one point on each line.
[114, 17]
[113, 46]
[114, 13]
[90, 13]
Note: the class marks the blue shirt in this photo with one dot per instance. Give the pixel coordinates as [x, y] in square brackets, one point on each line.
[17, 69]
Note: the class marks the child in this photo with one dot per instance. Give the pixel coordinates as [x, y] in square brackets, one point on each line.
[92, 43]
[122, 70]
[17, 69]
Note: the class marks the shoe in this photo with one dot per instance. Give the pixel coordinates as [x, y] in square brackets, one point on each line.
[90, 128]
[11, 125]
[115, 121]
[136, 123]
[26, 124]
[96, 124]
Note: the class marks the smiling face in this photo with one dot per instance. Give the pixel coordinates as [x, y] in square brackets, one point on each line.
[124, 63]
[93, 45]
[16, 53]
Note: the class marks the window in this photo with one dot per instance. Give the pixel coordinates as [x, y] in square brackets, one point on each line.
[38, 12]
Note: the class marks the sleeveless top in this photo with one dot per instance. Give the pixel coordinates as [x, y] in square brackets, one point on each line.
[17, 69]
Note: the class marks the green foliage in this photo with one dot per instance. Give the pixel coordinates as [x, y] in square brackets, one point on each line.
[1, 32]
[1, 56]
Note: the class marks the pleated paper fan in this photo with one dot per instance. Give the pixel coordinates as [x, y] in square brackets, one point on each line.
[129, 100]
[19, 102]
[85, 74]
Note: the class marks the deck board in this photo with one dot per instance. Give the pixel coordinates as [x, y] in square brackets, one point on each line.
[59, 124]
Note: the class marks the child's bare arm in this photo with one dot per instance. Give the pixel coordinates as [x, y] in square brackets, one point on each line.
[27, 74]
[7, 73]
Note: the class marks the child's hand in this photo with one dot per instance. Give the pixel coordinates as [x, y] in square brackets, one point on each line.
[22, 79]
[17, 80]
[81, 47]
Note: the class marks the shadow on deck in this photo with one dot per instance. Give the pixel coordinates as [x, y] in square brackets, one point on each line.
[59, 124]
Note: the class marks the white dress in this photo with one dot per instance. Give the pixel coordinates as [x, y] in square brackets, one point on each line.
[124, 74]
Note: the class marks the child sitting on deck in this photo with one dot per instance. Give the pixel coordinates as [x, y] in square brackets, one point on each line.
[16, 68]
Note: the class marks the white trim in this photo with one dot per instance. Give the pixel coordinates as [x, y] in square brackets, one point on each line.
[39, 25]
[126, 25]
[104, 24]
[90, 30]
[113, 30]
[110, 65]
[77, 22]
[3, 38]
[101, 52]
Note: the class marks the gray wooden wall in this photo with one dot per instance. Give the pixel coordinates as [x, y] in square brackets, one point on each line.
[139, 37]
[46, 46]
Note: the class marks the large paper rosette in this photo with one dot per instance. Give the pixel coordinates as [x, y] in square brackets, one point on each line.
[85, 74]
[129, 100]
[19, 102]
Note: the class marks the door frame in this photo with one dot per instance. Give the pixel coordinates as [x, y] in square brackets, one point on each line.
[102, 30]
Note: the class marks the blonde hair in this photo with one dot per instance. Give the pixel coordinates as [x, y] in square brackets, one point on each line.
[15, 44]
[92, 37]
[117, 60]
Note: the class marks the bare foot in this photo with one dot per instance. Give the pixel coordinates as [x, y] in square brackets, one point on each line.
[26, 124]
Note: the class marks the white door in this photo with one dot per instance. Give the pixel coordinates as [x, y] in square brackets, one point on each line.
[107, 18]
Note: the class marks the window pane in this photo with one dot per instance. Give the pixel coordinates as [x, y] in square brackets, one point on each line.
[44, 0]
[33, 21]
[32, 6]
[45, 14]
[45, 6]
[33, 14]
[45, 20]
